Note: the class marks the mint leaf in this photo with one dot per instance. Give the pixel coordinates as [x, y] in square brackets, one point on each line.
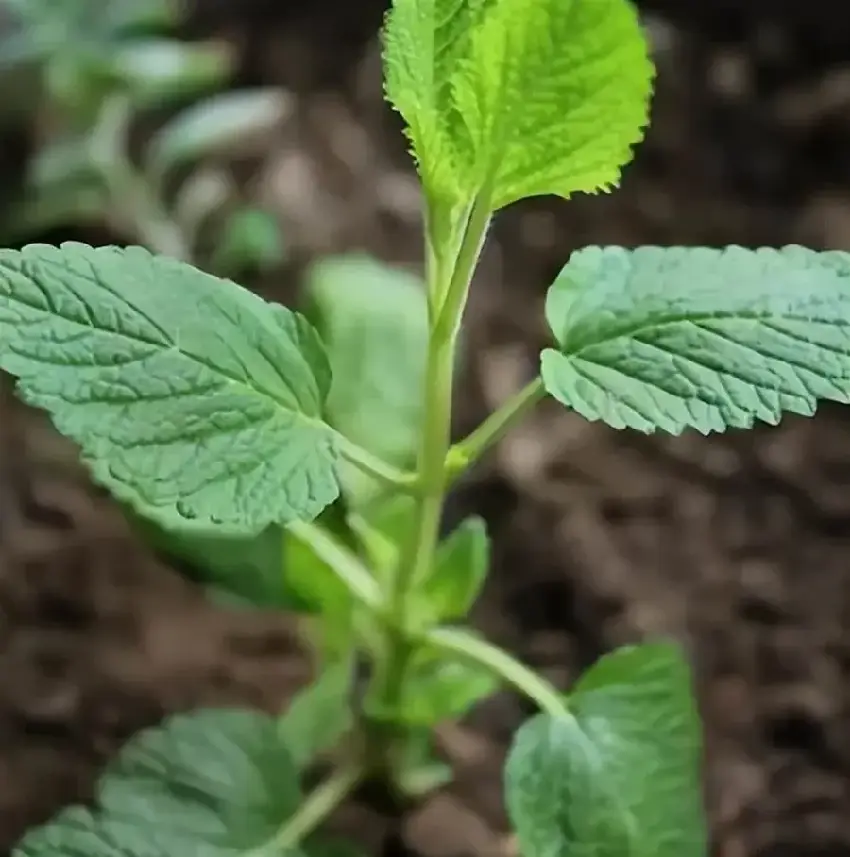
[192, 398]
[554, 94]
[621, 775]
[676, 338]
[373, 320]
[519, 97]
[214, 783]
[460, 569]
[424, 40]
[318, 716]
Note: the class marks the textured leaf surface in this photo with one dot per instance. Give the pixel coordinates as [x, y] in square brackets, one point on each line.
[554, 94]
[373, 320]
[676, 338]
[215, 783]
[423, 43]
[620, 778]
[529, 97]
[191, 397]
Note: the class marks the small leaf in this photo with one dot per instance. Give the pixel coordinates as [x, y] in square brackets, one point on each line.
[621, 775]
[250, 240]
[319, 715]
[439, 687]
[373, 320]
[218, 125]
[155, 72]
[459, 572]
[677, 338]
[421, 770]
[214, 783]
[193, 399]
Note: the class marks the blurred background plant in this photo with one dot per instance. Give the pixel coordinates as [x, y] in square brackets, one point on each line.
[81, 78]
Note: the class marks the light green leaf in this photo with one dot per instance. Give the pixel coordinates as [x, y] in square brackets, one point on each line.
[518, 97]
[319, 715]
[438, 687]
[221, 124]
[676, 338]
[193, 399]
[554, 94]
[420, 770]
[155, 72]
[373, 320]
[460, 569]
[424, 40]
[620, 777]
[214, 783]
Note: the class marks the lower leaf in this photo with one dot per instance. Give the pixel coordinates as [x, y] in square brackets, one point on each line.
[214, 783]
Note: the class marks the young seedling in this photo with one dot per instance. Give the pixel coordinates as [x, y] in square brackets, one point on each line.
[92, 69]
[217, 415]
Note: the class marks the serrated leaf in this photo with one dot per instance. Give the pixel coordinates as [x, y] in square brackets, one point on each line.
[520, 97]
[214, 783]
[222, 124]
[620, 777]
[423, 42]
[319, 715]
[554, 94]
[459, 571]
[677, 338]
[373, 319]
[193, 399]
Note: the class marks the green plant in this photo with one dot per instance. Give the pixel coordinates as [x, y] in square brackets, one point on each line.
[91, 70]
[235, 425]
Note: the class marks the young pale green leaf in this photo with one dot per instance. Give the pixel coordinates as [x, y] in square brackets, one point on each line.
[373, 320]
[319, 715]
[156, 72]
[620, 775]
[440, 687]
[554, 94]
[424, 40]
[214, 783]
[459, 571]
[676, 338]
[419, 769]
[221, 124]
[193, 399]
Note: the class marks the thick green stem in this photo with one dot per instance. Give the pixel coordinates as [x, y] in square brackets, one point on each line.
[418, 553]
[465, 453]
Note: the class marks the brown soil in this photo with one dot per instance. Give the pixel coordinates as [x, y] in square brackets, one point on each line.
[737, 545]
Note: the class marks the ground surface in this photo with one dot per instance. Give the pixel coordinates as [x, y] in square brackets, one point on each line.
[738, 545]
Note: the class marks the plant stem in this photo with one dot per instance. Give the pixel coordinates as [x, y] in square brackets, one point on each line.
[418, 553]
[315, 808]
[498, 661]
[465, 453]
[375, 467]
[344, 563]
